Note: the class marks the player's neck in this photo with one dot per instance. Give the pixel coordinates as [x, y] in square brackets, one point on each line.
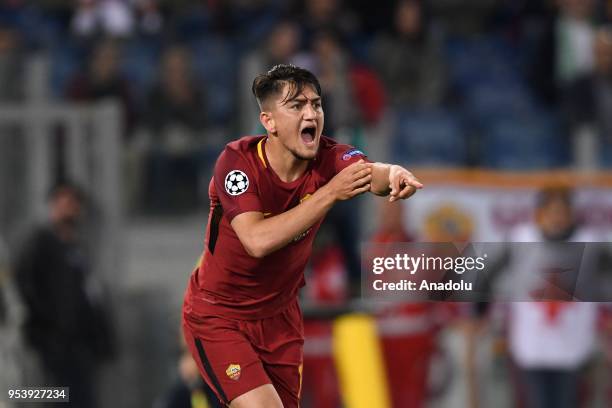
[286, 166]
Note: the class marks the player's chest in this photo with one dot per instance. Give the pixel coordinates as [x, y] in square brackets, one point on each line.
[276, 198]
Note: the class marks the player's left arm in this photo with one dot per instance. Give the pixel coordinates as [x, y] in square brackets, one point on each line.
[393, 181]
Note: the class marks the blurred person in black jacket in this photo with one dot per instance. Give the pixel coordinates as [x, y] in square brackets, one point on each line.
[409, 59]
[588, 99]
[175, 117]
[66, 323]
[101, 79]
[12, 63]
[177, 99]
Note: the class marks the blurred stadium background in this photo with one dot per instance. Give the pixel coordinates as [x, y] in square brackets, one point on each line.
[487, 101]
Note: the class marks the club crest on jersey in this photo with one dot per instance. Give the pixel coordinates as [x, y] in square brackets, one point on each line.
[233, 371]
[353, 152]
[236, 182]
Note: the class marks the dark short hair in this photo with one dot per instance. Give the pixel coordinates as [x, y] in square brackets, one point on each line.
[554, 193]
[272, 82]
[66, 187]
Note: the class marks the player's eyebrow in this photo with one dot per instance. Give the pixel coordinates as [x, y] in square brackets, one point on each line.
[301, 98]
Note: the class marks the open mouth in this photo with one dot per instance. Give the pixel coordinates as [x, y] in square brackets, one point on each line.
[308, 134]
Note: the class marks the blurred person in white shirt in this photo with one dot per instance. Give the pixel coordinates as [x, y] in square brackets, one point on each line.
[551, 341]
[111, 17]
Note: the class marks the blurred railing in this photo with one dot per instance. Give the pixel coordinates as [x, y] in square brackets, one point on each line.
[43, 140]
[40, 141]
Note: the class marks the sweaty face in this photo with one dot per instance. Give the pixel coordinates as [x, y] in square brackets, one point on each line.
[299, 122]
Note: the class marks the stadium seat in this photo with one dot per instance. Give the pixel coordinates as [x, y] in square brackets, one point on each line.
[490, 101]
[193, 23]
[482, 60]
[429, 138]
[253, 28]
[527, 142]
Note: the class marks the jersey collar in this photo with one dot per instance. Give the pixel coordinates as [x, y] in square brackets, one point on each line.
[260, 152]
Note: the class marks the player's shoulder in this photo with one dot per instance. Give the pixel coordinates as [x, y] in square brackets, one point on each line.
[243, 149]
[331, 147]
[327, 144]
[244, 144]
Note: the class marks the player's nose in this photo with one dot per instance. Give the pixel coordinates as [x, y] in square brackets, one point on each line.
[309, 112]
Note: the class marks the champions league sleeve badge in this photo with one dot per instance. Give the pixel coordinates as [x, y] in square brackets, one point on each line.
[236, 182]
[350, 153]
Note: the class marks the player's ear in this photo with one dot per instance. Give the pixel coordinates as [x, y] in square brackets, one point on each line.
[267, 121]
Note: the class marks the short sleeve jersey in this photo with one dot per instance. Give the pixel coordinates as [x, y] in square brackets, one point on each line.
[228, 281]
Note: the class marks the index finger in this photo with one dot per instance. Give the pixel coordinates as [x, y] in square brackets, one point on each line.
[413, 181]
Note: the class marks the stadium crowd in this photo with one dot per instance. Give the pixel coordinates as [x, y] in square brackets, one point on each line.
[489, 83]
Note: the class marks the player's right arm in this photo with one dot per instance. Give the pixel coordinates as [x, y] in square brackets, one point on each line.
[261, 236]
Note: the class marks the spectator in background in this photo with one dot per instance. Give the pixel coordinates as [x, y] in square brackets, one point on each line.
[465, 17]
[281, 47]
[574, 32]
[558, 36]
[112, 18]
[552, 341]
[66, 322]
[102, 79]
[409, 59]
[326, 15]
[331, 65]
[534, 21]
[12, 90]
[11, 65]
[588, 100]
[149, 16]
[175, 116]
[176, 100]
[604, 12]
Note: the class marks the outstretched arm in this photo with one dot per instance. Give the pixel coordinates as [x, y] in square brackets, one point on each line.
[394, 181]
[260, 236]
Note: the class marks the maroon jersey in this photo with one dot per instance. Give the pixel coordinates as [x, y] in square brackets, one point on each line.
[231, 283]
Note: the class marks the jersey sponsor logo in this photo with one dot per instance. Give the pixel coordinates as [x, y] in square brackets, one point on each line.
[236, 182]
[353, 152]
[233, 371]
